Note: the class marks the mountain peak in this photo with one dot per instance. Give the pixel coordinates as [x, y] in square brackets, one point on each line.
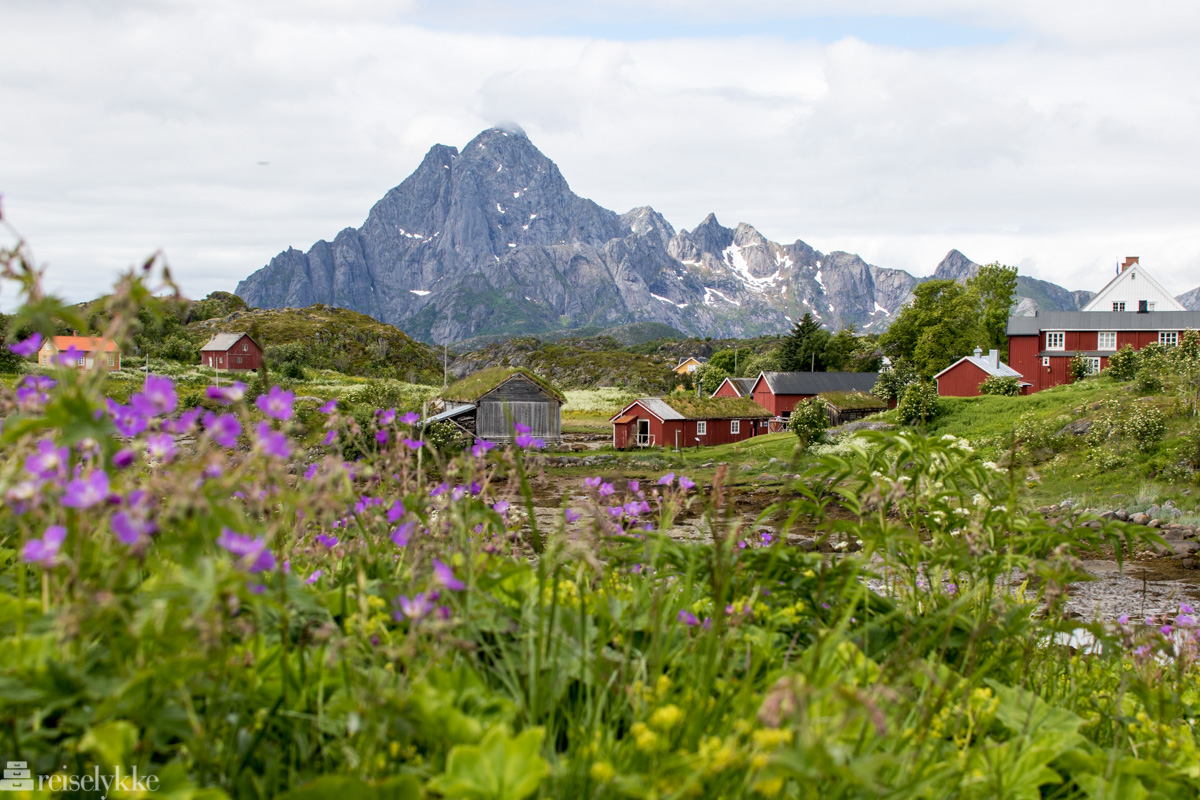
[955, 267]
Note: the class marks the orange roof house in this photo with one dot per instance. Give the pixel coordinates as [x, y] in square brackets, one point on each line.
[88, 352]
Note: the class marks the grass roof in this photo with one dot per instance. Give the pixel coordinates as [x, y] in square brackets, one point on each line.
[477, 384]
[846, 401]
[692, 407]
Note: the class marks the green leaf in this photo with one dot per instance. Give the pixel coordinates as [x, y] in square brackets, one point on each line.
[501, 767]
[1024, 712]
[342, 787]
[112, 743]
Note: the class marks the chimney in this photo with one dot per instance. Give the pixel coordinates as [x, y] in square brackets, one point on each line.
[994, 357]
[978, 352]
[1128, 262]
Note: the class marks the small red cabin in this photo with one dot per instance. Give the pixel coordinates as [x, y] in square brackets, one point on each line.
[779, 392]
[963, 377]
[687, 422]
[735, 387]
[232, 351]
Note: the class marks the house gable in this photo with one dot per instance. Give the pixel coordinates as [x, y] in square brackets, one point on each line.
[1132, 286]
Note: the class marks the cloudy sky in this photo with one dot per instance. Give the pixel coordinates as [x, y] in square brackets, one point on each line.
[1054, 136]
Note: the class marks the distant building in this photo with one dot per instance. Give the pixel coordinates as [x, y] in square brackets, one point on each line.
[963, 377]
[232, 351]
[779, 392]
[88, 352]
[1133, 309]
[489, 403]
[685, 421]
[843, 407]
[690, 364]
[735, 387]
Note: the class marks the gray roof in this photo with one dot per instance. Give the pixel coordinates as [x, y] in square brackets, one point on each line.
[1103, 321]
[223, 341]
[449, 413]
[743, 385]
[657, 407]
[817, 382]
[984, 363]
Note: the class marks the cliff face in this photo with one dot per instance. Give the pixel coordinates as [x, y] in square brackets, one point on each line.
[492, 241]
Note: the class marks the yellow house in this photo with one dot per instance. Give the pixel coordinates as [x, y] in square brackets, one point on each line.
[90, 351]
[690, 364]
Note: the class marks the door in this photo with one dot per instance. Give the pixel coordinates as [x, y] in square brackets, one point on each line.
[643, 434]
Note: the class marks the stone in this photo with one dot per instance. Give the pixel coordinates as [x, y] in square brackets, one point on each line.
[1140, 518]
[1189, 563]
[1185, 548]
[1155, 523]
[1121, 514]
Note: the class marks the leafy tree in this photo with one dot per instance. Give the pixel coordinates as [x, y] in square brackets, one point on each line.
[1123, 364]
[995, 284]
[710, 378]
[770, 361]
[919, 404]
[10, 362]
[804, 349]
[724, 359]
[941, 324]
[893, 381]
[808, 421]
[1078, 368]
[839, 350]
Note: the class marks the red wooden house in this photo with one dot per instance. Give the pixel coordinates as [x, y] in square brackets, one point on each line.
[1041, 347]
[735, 387]
[779, 392]
[963, 377]
[232, 351]
[687, 422]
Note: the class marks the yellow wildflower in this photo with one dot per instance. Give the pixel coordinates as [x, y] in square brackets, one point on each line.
[770, 738]
[666, 717]
[769, 787]
[646, 739]
[602, 772]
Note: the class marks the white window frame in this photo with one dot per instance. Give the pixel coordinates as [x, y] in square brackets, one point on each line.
[81, 361]
[1093, 364]
[1112, 343]
[112, 362]
[1150, 305]
[1168, 338]
[702, 428]
[1060, 337]
[735, 426]
[1119, 306]
[1045, 361]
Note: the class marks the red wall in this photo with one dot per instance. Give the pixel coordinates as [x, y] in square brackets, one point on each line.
[777, 404]
[1024, 354]
[663, 433]
[961, 381]
[726, 390]
[251, 357]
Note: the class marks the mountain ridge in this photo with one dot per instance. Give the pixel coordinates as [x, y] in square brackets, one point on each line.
[490, 240]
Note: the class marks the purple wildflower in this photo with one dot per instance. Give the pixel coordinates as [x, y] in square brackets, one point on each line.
[633, 486]
[186, 421]
[127, 419]
[411, 418]
[443, 575]
[156, 398]
[686, 483]
[571, 515]
[416, 608]
[123, 458]
[328, 408]
[70, 356]
[525, 441]
[271, 442]
[253, 554]
[161, 446]
[130, 528]
[1123, 619]
[1165, 630]
[276, 403]
[458, 493]
[439, 490]
[413, 444]
[312, 471]
[633, 508]
[386, 417]
[86, 492]
[1184, 608]
[44, 550]
[521, 428]
[328, 540]
[27, 347]
[48, 462]
[667, 480]
[606, 489]
[226, 395]
[223, 429]
[688, 618]
[501, 507]
[329, 438]
[474, 487]
[396, 511]
[401, 535]
[311, 579]
[381, 436]
[593, 483]
[481, 447]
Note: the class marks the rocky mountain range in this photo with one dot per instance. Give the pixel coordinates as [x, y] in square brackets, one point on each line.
[490, 240]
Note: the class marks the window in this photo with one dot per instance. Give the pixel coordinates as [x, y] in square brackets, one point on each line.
[1150, 305]
[81, 362]
[239, 359]
[1107, 340]
[45, 359]
[1093, 365]
[702, 428]
[1168, 338]
[1055, 340]
[245, 348]
[735, 426]
[1045, 361]
[1119, 306]
[112, 361]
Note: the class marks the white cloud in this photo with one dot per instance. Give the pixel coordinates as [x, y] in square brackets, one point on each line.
[1061, 144]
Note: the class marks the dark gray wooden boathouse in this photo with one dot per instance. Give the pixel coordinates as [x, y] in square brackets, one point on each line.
[488, 403]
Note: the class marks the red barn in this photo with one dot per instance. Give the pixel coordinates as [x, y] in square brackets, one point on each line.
[963, 377]
[1041, 347]
[735, 387]
[232, 351]
[779, 392]
[687, 422]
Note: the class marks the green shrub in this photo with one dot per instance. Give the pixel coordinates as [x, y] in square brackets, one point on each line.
[1145, 424]
[1123, 364]
[1003, 385]
[893, 381]
[919, 404]
[809, 421]
[1078, 368]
